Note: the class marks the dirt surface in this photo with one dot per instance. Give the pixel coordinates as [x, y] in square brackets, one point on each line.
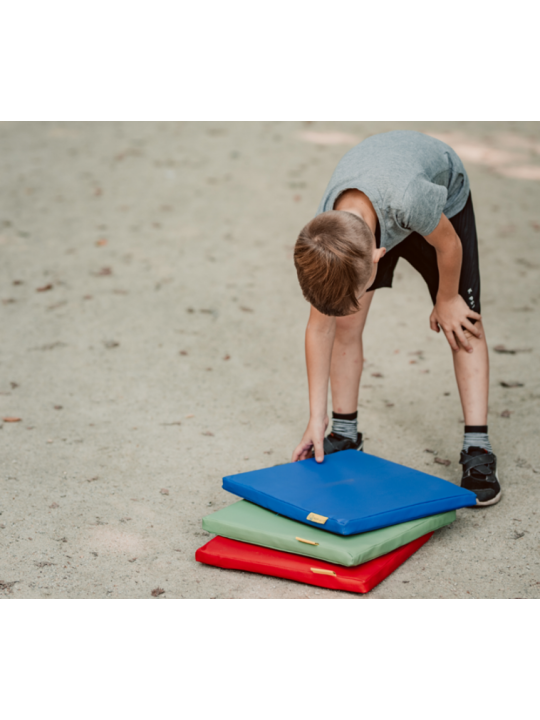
[152, 342]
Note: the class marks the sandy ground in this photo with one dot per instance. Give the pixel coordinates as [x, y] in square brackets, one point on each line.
[152, 342]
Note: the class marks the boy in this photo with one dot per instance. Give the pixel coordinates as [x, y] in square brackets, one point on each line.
[398, 194]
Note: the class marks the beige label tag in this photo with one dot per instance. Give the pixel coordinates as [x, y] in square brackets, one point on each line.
[308, 542]
[319, 571]
[317, 518]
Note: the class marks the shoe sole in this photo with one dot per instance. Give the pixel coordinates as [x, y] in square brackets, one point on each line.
[490, 502]
[359, 449]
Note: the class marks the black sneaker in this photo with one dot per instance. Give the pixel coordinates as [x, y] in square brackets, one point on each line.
[480, 475]
[335, 443]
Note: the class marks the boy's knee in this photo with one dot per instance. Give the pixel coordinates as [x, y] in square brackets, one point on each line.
[477, 326]
[348, 330]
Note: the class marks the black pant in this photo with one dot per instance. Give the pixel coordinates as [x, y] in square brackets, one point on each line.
[423, 257]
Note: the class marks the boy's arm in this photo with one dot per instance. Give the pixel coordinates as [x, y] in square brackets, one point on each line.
[320, 333]
[451, 312]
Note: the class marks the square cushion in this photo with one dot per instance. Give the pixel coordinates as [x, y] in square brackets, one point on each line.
[250, 523]
[234, 555]
[350, 492]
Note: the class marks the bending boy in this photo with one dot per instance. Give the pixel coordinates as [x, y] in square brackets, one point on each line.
[398, 194]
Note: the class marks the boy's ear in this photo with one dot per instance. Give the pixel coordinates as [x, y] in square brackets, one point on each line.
[378, 253]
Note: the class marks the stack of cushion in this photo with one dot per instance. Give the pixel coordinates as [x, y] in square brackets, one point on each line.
[344, 524]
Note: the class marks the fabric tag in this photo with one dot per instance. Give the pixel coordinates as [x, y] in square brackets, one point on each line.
[313, 517]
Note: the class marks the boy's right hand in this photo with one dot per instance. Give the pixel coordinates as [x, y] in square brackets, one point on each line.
[313, 440]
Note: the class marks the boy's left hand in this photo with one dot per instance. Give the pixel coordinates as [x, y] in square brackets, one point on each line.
[453, 317]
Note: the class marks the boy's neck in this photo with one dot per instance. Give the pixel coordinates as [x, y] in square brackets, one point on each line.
[357, 202]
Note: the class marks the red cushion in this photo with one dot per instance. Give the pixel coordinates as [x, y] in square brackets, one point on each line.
[235, 555]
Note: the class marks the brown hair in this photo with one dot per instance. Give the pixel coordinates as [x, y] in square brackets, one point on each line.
[333, 260]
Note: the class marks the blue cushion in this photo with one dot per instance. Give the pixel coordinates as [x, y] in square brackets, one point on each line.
[350, 492]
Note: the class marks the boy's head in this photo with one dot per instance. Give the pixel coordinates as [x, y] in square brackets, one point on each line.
[336, 260]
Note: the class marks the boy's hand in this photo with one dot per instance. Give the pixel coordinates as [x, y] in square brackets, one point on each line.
[453, 317]
[313, 440]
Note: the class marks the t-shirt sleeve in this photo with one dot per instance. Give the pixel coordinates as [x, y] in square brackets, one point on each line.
[422, 207]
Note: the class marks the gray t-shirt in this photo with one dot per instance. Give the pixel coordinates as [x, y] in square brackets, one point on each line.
[410, 178]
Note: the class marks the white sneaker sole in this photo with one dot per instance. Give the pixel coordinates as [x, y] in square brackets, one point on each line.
[490, 502]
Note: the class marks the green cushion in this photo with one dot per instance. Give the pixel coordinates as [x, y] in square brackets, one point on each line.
[250, 523]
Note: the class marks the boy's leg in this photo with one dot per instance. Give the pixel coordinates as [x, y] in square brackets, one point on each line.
[477, 457]
[348, 358]
[472, 375]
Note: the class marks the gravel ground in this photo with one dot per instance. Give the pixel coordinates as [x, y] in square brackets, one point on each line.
[153, 342]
